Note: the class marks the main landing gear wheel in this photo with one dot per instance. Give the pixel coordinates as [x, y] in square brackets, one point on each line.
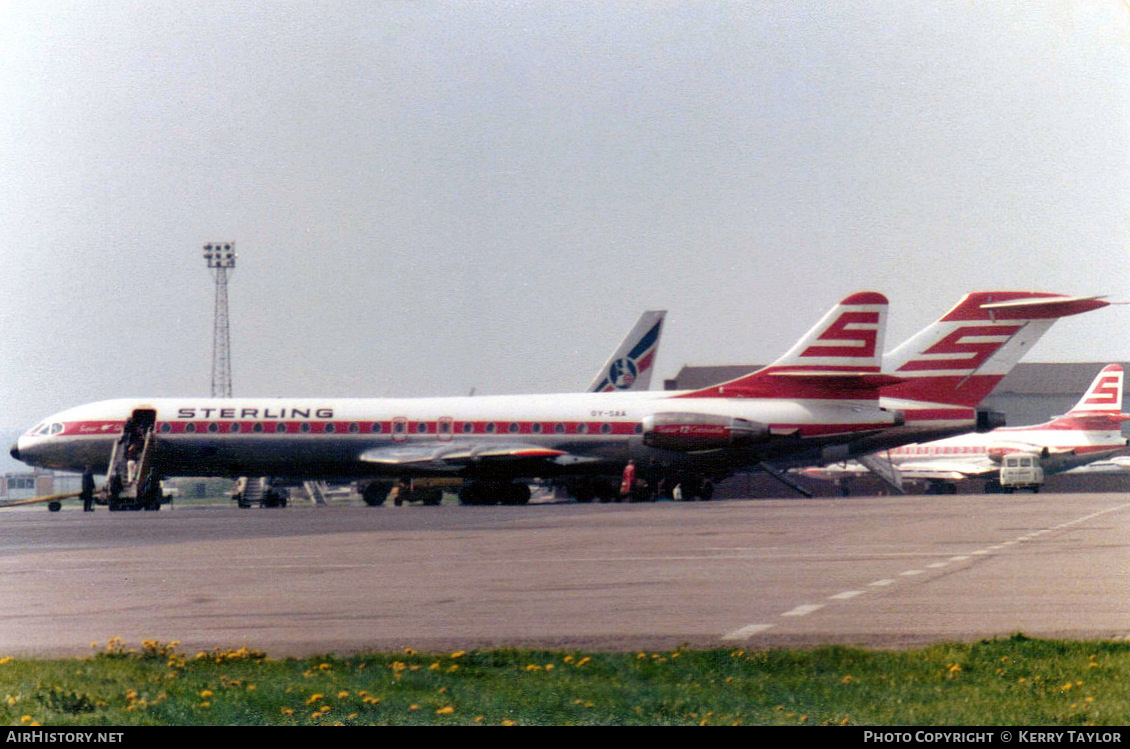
[375, 494]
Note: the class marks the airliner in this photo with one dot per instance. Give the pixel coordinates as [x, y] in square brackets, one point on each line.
[1091, 431]
[822, 393]
[825, 399]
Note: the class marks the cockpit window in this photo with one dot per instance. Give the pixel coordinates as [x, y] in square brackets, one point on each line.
[37, 429]
[56, 428]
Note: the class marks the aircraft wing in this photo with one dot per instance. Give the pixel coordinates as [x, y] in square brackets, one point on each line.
[948, 469]
[452, 457]
[953, 470]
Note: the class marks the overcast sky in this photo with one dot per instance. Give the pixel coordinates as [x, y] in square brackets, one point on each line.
[433, 196]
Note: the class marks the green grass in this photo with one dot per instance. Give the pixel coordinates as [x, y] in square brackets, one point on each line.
[1017, 681]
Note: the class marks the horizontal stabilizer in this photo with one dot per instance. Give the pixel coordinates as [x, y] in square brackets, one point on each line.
[1043, 308]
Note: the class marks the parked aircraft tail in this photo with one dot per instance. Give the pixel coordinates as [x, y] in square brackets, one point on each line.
[959, 359]
[840, 357]
[1100, 408]
[631, 365]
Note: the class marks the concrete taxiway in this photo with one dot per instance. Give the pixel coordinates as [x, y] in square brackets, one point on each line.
[877, 571]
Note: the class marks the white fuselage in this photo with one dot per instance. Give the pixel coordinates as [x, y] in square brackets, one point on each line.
[352, 437]
[1059, 449]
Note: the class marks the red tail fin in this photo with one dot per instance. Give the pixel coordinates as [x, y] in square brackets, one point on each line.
[839, 358]
[959, 359]
[1100, 408]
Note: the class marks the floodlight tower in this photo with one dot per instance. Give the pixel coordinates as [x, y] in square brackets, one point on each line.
[220, 257]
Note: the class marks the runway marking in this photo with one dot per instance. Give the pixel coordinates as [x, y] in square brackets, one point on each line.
[747, 631]
[752, 629]
[846, 595]
[804, 610]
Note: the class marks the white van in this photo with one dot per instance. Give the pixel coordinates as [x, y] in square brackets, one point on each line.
[1021, 471]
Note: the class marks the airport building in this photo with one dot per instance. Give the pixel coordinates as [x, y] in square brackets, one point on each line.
[28, 484]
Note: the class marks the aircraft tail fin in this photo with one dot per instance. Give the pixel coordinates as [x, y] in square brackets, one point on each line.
[959, 359]
[839, 358]
[632, 363]
[1100, 408]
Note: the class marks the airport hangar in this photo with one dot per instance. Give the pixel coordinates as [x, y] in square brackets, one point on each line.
[1032, 393]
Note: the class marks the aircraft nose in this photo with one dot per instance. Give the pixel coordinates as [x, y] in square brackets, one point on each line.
[15, 451]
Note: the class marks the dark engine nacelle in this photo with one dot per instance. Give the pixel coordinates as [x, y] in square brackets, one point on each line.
[987, 421]
[691, 431]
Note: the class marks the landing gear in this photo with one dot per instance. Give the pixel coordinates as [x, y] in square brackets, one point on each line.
[375, 493]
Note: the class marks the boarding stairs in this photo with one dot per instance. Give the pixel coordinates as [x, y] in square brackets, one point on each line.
[316, 491]
[132, 487]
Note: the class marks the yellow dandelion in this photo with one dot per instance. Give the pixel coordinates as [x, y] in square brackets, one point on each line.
[287, 711]
[205, 705]
[435, 666]
[205, 694]
[509, 722]
[846, 680]
[409, 651]
[413, 706]
[342, 694]
[316, 697]
[458, 654]
[445, 710]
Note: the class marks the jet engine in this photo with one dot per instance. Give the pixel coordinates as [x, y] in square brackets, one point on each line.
[691, 431]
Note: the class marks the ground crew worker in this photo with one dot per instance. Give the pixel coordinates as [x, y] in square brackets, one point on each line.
[628, 481]
[87, 489]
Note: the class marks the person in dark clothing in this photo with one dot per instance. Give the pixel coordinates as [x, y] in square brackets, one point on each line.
[87, 490]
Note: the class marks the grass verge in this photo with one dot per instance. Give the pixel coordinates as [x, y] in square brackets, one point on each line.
[1016, 681]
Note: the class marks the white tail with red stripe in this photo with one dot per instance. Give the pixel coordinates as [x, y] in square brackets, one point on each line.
[959, 359]
[839, 358]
